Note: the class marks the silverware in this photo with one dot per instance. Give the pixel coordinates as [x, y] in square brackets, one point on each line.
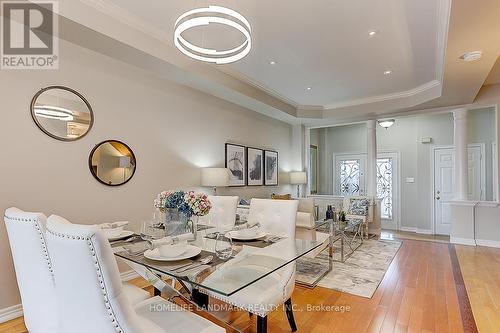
[272, 239]
[202, 262]
[126, 240]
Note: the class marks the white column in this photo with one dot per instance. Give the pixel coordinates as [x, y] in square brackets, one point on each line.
[461, 156]
[307, 167]
[371, 160]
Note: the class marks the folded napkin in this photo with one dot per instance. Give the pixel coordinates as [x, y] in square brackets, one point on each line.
[113, 225]
[171, 240]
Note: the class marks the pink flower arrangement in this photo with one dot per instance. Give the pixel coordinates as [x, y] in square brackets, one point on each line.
[190, 203]
[161, 198]
[198, 203]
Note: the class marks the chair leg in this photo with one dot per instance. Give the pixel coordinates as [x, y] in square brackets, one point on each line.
[289, 315]
[261, 324]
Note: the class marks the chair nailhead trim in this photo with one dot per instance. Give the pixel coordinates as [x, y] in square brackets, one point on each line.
[95, 261]
[36, 224]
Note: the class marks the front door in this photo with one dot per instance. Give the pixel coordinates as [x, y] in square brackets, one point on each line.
[349, 175]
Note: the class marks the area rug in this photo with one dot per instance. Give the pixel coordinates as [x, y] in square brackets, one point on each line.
[361, 273]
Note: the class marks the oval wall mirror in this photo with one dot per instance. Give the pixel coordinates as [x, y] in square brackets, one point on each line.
[62, 113]
[112, 163]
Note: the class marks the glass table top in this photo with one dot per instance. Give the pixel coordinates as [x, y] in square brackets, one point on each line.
[251, 262]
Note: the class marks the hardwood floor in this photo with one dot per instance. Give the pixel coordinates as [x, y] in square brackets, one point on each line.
[481, 271]
[417, 294]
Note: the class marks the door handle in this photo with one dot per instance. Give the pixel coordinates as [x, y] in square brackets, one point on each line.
[438, 197]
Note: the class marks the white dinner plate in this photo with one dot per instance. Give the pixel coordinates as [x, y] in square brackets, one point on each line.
[124, 234]
[192, 251]
[236, 235]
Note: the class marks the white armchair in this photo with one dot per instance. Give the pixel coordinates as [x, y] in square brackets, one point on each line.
[277, 217]
[305, 214]
[90, 293]
[223, 212]
[33, 266]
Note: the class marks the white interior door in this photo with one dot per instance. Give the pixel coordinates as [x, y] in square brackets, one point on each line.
[444, 163]
[444, 160]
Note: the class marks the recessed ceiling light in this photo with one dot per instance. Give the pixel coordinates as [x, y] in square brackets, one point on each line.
[372, 32]
[471, 56]
[272, 62]
[388, 72]
[309, 88]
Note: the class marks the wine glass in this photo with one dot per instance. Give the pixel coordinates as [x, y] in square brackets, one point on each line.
[150, 231]
[223, 246]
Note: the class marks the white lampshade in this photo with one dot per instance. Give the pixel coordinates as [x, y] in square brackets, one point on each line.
[214, 177]
[124, 162]
[298, 177]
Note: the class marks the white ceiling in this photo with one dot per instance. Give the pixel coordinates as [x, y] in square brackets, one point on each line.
[319, 43]
[323, 45]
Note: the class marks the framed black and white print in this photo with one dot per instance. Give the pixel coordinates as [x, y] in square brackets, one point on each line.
[236, 163]
[270, 167]
[255, 167]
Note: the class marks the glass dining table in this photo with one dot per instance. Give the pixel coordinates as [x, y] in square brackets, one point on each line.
[251, 261]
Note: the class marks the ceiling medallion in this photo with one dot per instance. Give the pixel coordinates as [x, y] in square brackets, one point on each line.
[205, 16]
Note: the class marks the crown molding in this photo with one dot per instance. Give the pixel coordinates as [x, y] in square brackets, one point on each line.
[126, 17]
[443, 24]
[382, 98]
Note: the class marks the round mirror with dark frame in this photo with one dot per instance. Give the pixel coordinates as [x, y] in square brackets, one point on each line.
[62, 113]
[112, 163]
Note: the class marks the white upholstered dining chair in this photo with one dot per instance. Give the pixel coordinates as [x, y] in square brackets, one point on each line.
[90, 294]
[223, 212]
[32, 262]
[26, 232]
[277, 217]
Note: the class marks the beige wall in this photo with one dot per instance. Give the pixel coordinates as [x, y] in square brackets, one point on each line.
[172, 130]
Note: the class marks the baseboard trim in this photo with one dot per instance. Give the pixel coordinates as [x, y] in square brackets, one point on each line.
[487, 242]
[416, 230]
[462, 241]
[16, 311]
[12, 312]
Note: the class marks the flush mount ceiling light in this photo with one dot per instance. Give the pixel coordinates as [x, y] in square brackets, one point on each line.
[471, 56]
[53, 112]
[309, 88]
[272, 62]
[386, 123]
[204, 16]
[388, 72]
[372, 32]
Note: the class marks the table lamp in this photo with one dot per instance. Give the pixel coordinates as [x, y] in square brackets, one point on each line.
[298, 178]
[214, 177]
